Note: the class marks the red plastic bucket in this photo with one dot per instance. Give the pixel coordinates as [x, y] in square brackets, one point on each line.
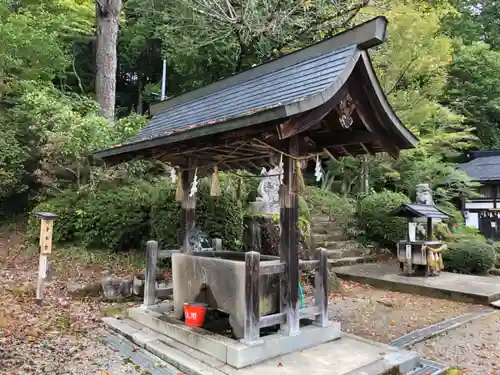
[194, 314]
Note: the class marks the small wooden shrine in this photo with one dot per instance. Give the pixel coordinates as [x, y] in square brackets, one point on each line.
[421, 256]
[320, 102]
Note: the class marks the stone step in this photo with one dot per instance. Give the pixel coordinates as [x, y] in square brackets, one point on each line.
[346, 261]
[327, 230]
[327, 237]
[342, 245]
[343, 253]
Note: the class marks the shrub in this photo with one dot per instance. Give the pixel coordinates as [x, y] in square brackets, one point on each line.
[116, 217]
[342, 210]
[469, 255]
[375, 219]
[220, 217]
[65, 207]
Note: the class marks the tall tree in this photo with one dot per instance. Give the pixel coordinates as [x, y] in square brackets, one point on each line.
[108, 20]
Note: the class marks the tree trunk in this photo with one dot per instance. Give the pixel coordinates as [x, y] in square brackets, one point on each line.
[107, 19]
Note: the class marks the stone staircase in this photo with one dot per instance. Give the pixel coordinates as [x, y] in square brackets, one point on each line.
[341, 249]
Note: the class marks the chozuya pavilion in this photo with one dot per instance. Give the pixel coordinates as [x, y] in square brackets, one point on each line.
[323, 101]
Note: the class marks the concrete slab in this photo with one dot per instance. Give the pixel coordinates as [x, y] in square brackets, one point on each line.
[466, 288]
[232, 352]
[349, 355]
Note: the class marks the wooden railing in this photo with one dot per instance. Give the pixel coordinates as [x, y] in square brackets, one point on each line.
[153, 254]
[254, 269]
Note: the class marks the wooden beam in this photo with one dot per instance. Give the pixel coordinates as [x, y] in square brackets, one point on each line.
[252, 298]
[346, 138]
[188, 206]
[272, 268]
[289, 243]
[307, 120]
[321, 287]
[369, 119]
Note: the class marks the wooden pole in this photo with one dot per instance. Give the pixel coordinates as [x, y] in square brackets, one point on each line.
[188, 208]
[46, 229]
[252, 298]
[321, 287]
[150, 274]
[289, 243]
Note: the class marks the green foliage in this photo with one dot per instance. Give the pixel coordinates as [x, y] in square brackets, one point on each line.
[115, 218]
[66, 225]
[474, 90]
[375, 219]
[469, 255]
[340, 209]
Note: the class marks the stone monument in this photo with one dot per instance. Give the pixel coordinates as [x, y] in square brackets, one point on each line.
[268, 201]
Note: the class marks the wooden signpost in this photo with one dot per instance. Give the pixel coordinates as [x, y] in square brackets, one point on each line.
[46, 227]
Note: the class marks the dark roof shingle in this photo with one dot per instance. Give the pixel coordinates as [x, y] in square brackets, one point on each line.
[287, 85]
[420, 210]
[483, 168]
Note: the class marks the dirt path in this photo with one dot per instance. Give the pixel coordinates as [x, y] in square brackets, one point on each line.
[474, 347]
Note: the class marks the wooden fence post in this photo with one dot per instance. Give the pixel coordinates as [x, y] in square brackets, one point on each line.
[46, 227]
[321, 287]
[150, 274]
[252, 298]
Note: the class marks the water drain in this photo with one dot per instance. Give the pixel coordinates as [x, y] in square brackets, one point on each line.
[435, 329]
[148, 362]
[429, 368]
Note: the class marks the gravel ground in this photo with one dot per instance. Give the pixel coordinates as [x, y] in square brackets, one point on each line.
[474, 347]
[383, 316]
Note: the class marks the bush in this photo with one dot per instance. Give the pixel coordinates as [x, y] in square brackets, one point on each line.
[342, 210]
[471, 256]
[375, 219]
[125, 217]
[220, 217]
[116, 217]
[65, 226]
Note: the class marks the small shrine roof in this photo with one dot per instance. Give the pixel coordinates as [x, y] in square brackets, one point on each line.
[421, 210]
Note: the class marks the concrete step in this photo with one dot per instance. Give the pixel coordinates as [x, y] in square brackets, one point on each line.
[342, 245]
[347, 261]
[343, 253]
[327, 237]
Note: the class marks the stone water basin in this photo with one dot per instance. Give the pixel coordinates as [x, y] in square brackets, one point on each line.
[217, 278]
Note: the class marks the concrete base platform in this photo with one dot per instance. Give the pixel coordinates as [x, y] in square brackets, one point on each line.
[232, 352]
[453, 286]
[349, 355]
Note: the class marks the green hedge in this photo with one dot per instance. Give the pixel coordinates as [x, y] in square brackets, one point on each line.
[375, 219]
[126, 216]
[220, 217]
[65, 227]
[469, 255]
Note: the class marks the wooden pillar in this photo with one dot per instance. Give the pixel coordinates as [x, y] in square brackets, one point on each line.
[150, 274]
[252, 298]
[321, 287]
[188, 207]
[429, 229]
[289, 243]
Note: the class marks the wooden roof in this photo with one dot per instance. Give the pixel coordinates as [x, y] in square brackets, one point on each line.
[421, 210]
[328, 93]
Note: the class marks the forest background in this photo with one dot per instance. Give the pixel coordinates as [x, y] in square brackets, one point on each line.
[79, 75]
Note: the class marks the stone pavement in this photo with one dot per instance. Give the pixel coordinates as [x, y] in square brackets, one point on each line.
[467, 288]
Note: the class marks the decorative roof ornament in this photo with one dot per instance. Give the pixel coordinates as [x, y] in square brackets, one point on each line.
[173, 175]
[281, 168]
[318, 170]
[194, 185]
[345, 109]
